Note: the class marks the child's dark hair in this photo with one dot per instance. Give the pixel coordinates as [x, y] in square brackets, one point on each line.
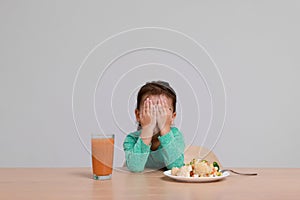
[157, 88]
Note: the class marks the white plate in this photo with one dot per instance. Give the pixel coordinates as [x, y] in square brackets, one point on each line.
[195, 179]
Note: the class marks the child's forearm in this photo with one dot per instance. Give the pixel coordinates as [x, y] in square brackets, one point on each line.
[173, 148]
[136, 153]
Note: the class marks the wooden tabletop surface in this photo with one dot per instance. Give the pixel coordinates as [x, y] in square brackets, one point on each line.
[77, 183]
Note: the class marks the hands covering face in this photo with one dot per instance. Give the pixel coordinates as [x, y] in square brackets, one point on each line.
[156, 115]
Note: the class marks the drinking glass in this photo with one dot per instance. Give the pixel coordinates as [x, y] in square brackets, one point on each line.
[102, 156]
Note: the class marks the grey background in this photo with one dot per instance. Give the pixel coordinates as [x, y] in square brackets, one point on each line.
[43, 43]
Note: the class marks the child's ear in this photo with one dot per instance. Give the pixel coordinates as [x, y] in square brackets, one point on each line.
[137, 115]
[173, 115]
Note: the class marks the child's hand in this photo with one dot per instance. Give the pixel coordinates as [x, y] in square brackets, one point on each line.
[148, 121]
[163, 116]
[148, 115]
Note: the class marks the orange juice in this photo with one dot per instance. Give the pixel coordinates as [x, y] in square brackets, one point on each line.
[102, 156]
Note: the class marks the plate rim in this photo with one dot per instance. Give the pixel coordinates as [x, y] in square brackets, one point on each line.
[195, 179]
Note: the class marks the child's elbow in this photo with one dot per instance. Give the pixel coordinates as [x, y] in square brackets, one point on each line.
[177, 163]
[134, 168]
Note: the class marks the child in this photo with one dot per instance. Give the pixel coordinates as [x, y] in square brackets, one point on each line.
[155, 144]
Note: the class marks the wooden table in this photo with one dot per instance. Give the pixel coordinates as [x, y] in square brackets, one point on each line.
[77, 183]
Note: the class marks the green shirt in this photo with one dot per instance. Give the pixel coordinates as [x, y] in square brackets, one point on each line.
[170, 152]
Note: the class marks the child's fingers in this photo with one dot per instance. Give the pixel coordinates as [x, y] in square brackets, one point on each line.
[155, 112]
[159, 107]
[147, 107]
[164, 106]
[142, 112]
[168, 109]
[152, 108]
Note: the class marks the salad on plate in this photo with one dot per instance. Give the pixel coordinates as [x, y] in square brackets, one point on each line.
[197, 168]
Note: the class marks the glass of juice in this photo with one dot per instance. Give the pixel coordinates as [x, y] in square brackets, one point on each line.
[102, 156]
